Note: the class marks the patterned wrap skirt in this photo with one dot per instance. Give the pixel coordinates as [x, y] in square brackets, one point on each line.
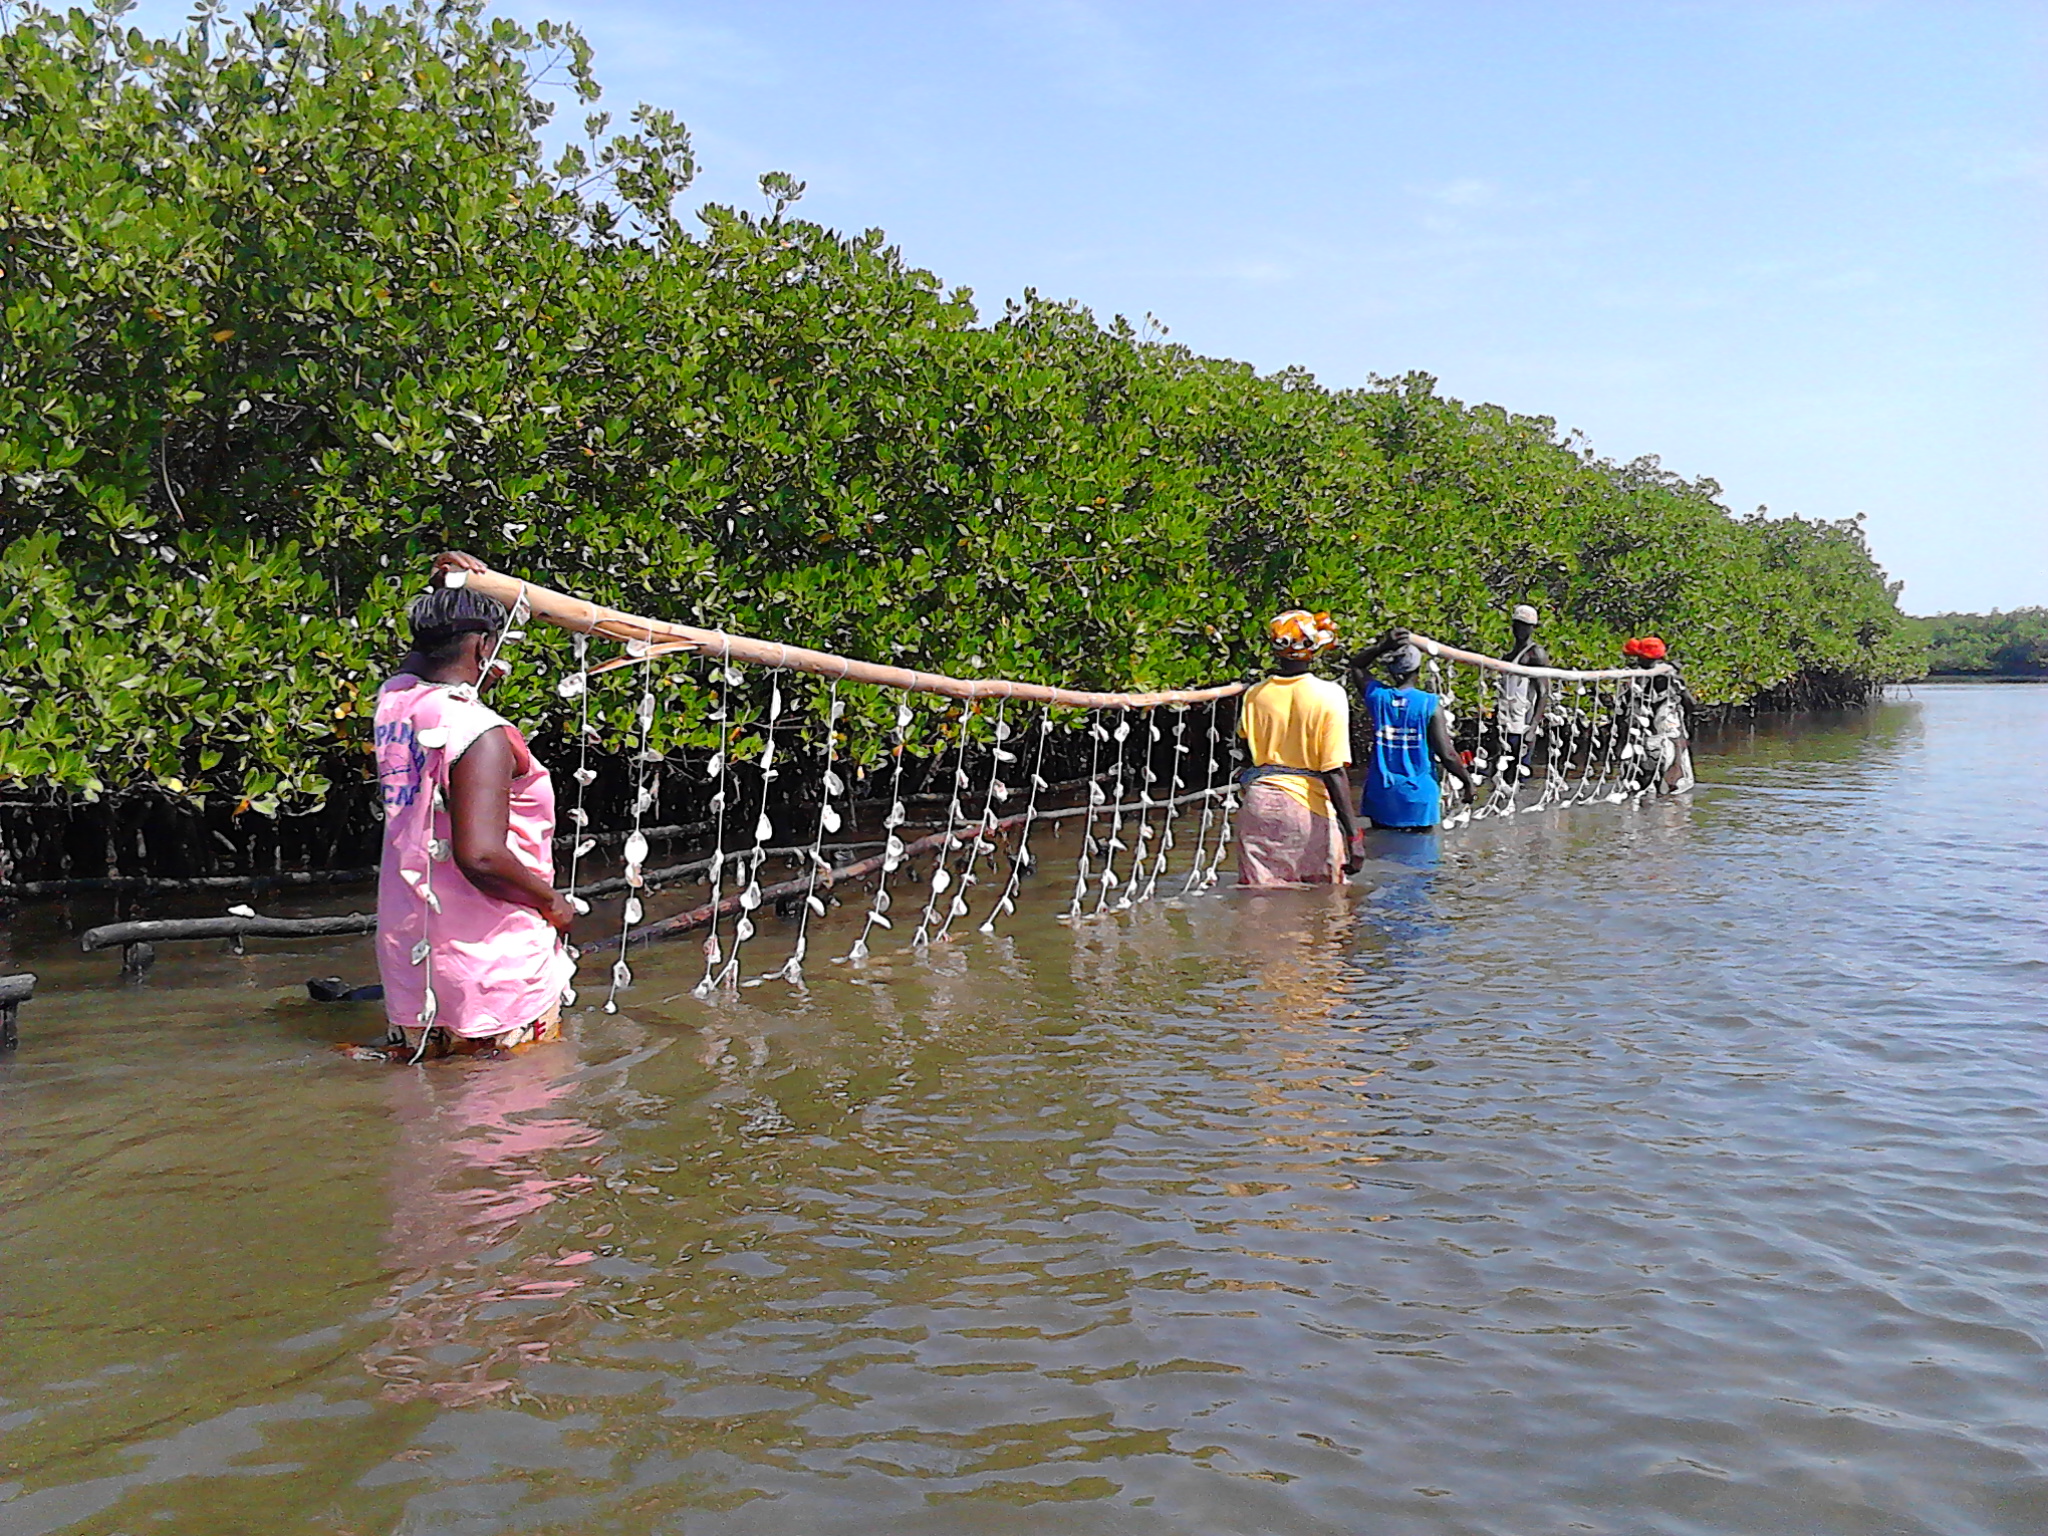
[1280, 841]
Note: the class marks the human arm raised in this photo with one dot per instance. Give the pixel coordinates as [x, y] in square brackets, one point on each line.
[1362, 661]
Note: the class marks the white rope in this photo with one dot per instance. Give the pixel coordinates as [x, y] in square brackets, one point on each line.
[1617, 733]
[1556, 752]
[720, 768]
[829, 784]
[1096, 737]
[1599, 736]
[1567, 738]
[764, 830]
[1122, 736]
[984, 831]
[1141, 845]
[1642, 719]
[1021, 862]
[1230, 804]
[1624, 733]
[1172, 811]
[1597, 733]
[1196, 870]
[1606, 723]
[892, 850]
[577, 686]
[942, 873]
[634, 853]
[1585, 739]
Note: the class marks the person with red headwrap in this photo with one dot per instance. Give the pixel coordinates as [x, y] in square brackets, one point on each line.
[1668, 763]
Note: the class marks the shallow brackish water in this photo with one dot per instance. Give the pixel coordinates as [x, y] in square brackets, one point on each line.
[1675, 1168]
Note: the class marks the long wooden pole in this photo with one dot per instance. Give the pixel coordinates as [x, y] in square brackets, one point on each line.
[658, 637]
[661, 637]
[1431, 647]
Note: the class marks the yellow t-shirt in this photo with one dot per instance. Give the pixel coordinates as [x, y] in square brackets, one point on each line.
[1298, 722]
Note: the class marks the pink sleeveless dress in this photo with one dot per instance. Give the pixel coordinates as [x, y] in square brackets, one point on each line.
[449, 955]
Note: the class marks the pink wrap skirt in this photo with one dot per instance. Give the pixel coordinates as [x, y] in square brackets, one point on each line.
[1280, 841]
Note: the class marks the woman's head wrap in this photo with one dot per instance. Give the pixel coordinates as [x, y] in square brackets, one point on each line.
[439, 614]
[1402, 660]
[1298, 634]
[1649, 647]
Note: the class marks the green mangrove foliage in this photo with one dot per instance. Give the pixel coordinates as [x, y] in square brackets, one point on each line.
[2011, 644]
[291, 303]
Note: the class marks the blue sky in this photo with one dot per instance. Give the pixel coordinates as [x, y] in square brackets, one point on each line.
[1794, 246]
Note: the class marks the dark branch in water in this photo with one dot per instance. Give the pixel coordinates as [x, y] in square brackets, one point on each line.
[229, 927]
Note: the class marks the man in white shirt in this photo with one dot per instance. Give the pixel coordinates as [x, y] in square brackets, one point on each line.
[1521, 702]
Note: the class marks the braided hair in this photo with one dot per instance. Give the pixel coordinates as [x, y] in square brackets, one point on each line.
[441, 616]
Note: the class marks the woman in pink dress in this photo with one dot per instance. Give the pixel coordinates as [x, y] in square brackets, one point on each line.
[471, 933]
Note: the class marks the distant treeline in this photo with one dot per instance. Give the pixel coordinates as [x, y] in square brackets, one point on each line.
[289, 306]
[2011, 644]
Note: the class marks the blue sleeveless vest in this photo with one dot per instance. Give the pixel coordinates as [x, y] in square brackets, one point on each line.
[1400, 777]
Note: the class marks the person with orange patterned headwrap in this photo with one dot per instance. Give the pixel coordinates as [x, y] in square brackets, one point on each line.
[1296, 825]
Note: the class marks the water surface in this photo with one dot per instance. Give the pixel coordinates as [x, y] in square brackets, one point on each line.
[1673, 1168]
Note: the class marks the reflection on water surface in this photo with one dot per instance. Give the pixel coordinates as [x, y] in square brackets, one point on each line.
[1660, 1169]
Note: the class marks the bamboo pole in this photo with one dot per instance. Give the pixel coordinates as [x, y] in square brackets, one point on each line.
[663, 638]
[658, 637]
[1431, 647]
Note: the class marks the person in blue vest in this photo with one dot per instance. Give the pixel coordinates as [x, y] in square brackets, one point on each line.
[1410, 737]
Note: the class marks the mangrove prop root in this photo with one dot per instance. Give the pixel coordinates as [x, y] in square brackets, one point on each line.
[14, 991]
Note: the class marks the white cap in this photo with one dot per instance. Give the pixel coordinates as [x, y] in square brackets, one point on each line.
[1524, 614]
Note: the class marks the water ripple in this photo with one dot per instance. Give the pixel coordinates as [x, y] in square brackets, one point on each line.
[1664, 1169]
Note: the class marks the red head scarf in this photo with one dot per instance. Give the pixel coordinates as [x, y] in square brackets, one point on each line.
[1649, 647]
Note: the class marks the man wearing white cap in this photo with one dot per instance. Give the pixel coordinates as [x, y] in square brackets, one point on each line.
[1522, 702]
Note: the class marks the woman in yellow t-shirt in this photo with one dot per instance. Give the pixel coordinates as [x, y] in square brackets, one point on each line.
[1296, 825]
